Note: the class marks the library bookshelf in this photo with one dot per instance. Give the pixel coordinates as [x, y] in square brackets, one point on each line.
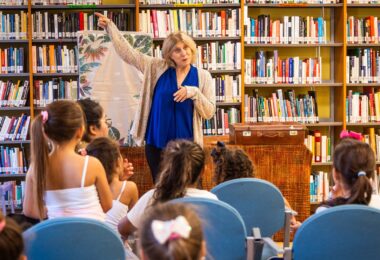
[333, 55]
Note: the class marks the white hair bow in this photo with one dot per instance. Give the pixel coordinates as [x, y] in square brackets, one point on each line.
[171, 229]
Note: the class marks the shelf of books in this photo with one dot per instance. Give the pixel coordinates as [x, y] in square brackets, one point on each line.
[292, 70]
[215, 27]
[362, 113]
[38, 64]
[311, 61]
[14, 96]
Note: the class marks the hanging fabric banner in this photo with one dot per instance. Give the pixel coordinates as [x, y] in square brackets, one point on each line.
[106, 78]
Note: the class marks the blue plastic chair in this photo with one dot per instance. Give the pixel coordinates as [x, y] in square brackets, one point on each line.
[259, 203]
[72, 238]
[223, 228]
[343, 232]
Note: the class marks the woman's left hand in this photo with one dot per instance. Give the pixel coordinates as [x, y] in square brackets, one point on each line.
[180, 95]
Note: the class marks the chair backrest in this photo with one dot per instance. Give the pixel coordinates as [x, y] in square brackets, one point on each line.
[223, 228]
[342, 232]
[259, 203]
[72, 238]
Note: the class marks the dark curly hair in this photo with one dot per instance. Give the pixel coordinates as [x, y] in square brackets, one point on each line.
[181, 166]
[93, 112]
[108, 153]
[351, 157]
[231, 164]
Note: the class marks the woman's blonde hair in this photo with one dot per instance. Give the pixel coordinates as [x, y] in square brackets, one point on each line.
[170, 43]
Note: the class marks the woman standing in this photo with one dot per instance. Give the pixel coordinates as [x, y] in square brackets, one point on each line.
[175, 95]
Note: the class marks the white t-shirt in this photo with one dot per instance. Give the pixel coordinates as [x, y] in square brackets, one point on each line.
[135, 214]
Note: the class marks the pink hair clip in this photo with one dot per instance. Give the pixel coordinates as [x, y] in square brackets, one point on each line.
[2, 225]
[83, 152]
[350, 134]
[45, 116]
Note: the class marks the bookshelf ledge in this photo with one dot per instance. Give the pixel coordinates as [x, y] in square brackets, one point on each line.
[207, 39]
[321, 164]
[183, 6]
[15, 142]
[295, 5]
[79, 7]
[282, 45]
[364, 124]
[324, 84]
[55, 74]
[12, 176]
[14, 108]
[5, 75]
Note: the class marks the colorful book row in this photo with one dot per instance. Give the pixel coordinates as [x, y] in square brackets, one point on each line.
[289, 30]
[12, 60]
[188, 2]
[363, 65]
[214, 55]
[227, 88]
[47, 25]
[362, 30]
[56, 89]
[269, 68]
[194, 22]
[66, 2]
[55, 59]
[292, 1]
[319, 145]
[13, 25]
[371, 136]
[280, 108]
[319, 186]
[18, 192]
[13, 2]
[363, 107]
[13, 160]
[13, 94]
[219, 124]
[14, 128]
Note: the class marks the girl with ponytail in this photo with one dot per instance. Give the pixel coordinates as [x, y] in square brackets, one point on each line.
[181, 167]
[61, 182]
[353, 167]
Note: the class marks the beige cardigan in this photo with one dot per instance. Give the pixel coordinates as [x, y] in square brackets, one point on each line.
[152, 68]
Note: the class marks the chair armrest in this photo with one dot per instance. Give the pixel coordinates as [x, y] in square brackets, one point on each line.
[272, 245]
[288, 216]
[288, 253]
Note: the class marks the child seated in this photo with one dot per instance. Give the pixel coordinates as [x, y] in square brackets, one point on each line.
[61, 180]
[97, 125]
[181, 167]
[233, 164]
[353, 166]
[11, 241]
[125, 193]
[171, 231]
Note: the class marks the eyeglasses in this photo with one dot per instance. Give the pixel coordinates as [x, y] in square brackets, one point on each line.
[108, 122]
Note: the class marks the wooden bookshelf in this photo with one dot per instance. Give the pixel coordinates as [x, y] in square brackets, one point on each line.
[300, 45]
[206, 39]
[331, 92]
[187, 6]
[291, 5]
[83, 7]
[286, 85]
